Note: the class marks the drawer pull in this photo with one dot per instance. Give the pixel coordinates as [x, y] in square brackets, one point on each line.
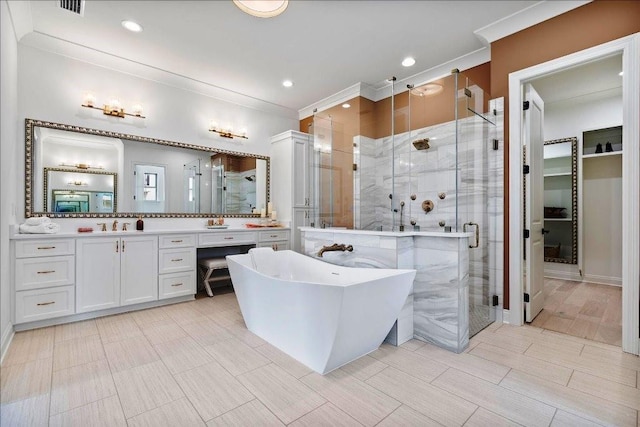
[176, 241]
[177, 284]
[228, 238]
[46, 272]
[273, 235]
[46, 247]
[176, 259]
[46, 303]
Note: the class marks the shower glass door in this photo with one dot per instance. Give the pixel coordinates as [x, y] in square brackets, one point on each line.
[475, 202]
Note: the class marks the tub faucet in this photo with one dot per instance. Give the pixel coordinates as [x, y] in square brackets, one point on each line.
[335, 247]
[114, 226]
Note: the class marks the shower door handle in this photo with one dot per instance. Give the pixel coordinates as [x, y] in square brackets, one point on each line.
[473, 224]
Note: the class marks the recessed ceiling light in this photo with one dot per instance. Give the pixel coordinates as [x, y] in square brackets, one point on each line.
[132, 26]
[287, 83]
[621, 73]
[346, 105]
[408, 61]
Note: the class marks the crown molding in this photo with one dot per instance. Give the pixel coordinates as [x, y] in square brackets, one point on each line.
[380, 90]
[525, 18]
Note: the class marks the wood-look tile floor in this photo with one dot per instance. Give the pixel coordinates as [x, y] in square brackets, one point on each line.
[196, 364]
[585, 310]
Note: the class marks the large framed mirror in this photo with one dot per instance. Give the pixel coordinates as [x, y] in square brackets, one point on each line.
[76, 172]
[561, 200]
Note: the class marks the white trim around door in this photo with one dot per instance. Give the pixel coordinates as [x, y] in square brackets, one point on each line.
[629, 47]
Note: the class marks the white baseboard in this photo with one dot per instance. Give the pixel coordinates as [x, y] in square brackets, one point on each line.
[505, 316]
[7, 336]
[563, 275]
[603, 280]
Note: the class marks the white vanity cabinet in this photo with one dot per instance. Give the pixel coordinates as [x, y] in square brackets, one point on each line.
[112, 271]
[44, 276]
[177, 265]
[278, 240]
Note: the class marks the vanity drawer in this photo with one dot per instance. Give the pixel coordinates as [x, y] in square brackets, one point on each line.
[227, 239]
[273, 235]
[44, 303]
[177, 241]
[44, 272]
[177, 284]
[175, 260]
[53, 247]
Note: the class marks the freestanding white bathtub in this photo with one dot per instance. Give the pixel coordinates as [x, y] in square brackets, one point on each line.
[320, 314]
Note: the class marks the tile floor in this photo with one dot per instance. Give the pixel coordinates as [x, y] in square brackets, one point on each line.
[585, 310]
[196, 364]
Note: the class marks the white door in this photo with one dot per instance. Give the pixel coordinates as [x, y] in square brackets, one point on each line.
[533, 140]
[139, 269]
[97, 273]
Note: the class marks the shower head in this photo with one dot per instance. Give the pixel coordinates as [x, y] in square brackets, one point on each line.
[250, 178]
[421, 144]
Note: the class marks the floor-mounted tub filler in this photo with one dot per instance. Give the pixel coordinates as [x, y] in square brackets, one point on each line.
[322, 315]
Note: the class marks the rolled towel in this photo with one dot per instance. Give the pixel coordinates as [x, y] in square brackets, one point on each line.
[45, 228]
[37, 220]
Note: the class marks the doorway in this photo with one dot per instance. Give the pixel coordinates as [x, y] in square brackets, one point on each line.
[629, 48]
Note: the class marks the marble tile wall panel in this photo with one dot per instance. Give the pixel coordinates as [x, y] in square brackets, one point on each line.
[440, 297]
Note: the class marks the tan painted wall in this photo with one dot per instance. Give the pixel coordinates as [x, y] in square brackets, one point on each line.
[590, 25]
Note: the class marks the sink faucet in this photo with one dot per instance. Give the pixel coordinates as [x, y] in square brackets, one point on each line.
[104, 226]
[124, 226]
[335, 247]
[114, 226]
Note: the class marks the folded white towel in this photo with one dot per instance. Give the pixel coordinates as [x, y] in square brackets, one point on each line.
[37, 220]
[263, 260]
[45, 228]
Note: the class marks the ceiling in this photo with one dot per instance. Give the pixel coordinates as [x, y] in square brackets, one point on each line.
[595, 79]
[322, 46]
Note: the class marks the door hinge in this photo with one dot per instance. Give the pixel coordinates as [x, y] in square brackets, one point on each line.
[355, 166]
[525, 105]
[135, 173]
[494, 300]
[495, 144]
[525, 169]
[467, 92]
[526, 297]
[525, 233]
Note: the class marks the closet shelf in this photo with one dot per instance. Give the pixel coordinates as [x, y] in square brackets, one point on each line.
[558, 219]
[610, 153]
[550, 175]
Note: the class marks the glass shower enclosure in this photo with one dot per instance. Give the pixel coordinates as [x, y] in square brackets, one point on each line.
[420, 159]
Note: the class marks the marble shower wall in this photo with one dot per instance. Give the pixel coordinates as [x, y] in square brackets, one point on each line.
[475, 186]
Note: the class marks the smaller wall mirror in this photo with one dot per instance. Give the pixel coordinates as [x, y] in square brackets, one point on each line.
[73, 191]
[561, 201]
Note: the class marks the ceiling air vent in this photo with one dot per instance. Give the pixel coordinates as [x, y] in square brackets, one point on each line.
[75, 6]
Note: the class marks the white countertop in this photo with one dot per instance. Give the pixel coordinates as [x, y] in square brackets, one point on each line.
[120, 233]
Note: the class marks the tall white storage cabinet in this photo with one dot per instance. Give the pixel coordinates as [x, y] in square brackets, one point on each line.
[111, 272]
[291, 181]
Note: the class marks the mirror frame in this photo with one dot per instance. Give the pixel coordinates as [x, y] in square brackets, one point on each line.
[574, 200]
[29, 166]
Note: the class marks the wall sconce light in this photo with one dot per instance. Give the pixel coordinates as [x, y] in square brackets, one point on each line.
[80, 166]
[227, 132]
[112, 109]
